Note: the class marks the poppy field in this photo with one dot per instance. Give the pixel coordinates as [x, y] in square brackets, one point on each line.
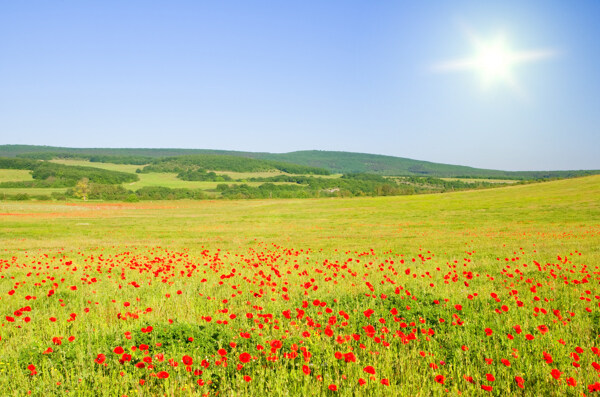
[492, 292]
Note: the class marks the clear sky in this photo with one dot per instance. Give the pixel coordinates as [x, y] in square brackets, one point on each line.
[279, 76]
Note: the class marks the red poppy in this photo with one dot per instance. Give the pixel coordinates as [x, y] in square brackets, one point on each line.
[369, 369]
[245, 357]
[520, 381]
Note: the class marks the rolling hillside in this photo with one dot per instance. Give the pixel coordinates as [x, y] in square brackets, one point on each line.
[334, 162]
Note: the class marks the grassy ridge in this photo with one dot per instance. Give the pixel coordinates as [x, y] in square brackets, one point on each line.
[335, 162]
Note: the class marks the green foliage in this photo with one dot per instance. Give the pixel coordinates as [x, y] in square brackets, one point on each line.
[44, 183]
[202, 175]
[190, 163]
[46, 174]
[119, 193]
[45, 170]
[318, 161]
[345, 162]
[17, 164]
[310, 186]
[107, 192]
[165, 193]
[93, 158]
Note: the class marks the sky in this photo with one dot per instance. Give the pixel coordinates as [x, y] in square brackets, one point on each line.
[269, 76]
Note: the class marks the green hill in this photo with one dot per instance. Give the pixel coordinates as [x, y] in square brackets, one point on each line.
[334, 162]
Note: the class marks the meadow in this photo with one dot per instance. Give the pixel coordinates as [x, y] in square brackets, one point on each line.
[488, 292]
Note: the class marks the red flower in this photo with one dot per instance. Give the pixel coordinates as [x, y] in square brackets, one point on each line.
[187, 360]
[245, 357]
[118, 350]
[490, 377]
[486, 387]
[594, 387]
[361, 381]
[385, 382]
[305, 369]
[488, 331]
[440, 379]
[333, 387]
[555, 373]
[369, 369]
[247, 378]
[222, 352]
[100, 358]
[162, 375]
[571, 382]
[520, 381]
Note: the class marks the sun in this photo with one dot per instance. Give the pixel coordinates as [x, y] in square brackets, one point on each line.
[495, 61]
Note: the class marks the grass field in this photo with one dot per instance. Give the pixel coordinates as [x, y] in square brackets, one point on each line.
[15, 175]
[490, 292]
[472, 180]
[107, 166]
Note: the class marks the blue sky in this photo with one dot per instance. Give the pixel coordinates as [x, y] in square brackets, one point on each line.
[284, 76]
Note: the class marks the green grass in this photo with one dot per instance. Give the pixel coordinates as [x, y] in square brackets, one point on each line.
[15, 175]
[171, 256]
[471, 180]
[107, 166]
[344, 223]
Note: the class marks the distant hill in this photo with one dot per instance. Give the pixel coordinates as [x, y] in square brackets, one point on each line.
[335, 162]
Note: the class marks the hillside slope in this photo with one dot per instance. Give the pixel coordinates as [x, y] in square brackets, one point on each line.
[335, 162]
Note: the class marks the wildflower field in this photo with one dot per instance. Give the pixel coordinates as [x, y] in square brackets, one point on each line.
[493, 292]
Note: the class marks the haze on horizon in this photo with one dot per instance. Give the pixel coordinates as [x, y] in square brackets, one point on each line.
[339, 75]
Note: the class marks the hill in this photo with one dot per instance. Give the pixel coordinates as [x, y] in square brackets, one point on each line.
[332, 161]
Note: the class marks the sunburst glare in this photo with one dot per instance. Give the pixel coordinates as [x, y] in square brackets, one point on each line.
[495, 61]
